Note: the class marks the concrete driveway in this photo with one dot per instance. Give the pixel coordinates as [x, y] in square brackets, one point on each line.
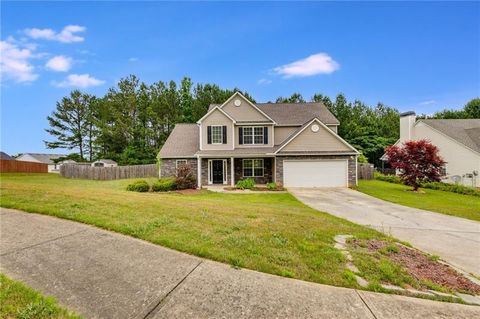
[455, 240]
[106, 275]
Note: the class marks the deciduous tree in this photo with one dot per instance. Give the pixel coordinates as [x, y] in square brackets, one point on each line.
[417, 161]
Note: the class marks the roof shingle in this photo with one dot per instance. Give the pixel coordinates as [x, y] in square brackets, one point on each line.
[182, 142]
[464, 131]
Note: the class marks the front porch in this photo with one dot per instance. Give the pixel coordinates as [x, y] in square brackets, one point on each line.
[228, 171]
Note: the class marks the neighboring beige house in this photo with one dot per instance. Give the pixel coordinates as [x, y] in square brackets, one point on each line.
[458, 141]
[293, 144]
[42, 158]
[104, 163]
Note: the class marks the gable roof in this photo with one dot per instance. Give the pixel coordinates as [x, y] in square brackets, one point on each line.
[211, 110]
[182, 142]
[464, 131]
[295, 113]
[249, 102]
[307, 124]
[44, 158]
[5, 156]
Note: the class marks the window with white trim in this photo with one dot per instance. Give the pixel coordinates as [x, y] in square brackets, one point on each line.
[253, 167]
[253, 135]
[179, 163]
[217, 134]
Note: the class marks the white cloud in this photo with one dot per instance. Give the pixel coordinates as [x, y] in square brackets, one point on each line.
[79, 80]
[320, 63]
[59, 63]
[15, 64]
[133, 59]
[264, 81]
[427, 102]
[66, 35]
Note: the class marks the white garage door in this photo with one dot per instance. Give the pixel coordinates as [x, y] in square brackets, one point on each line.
[315, 173]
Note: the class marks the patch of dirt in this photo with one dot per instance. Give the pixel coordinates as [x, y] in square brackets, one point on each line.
[422, 267]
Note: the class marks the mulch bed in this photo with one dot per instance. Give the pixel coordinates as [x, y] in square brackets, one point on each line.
[420, 266]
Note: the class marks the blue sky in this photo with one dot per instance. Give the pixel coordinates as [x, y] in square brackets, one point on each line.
[420, 56]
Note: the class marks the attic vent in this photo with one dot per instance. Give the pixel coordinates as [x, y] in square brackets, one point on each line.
[237, 102]
[315, 128]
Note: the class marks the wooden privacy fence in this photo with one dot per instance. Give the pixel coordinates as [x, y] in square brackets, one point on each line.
[12, 166]
[108, 173]
[365, 171]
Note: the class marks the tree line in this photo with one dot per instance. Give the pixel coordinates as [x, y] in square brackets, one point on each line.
[131, 122]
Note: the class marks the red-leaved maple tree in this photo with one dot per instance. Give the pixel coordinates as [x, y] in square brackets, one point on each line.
[417, 161]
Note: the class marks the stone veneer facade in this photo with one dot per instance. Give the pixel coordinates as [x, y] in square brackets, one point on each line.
[352, 166]
[168, 167]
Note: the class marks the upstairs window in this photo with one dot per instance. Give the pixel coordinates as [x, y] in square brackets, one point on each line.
[217, 134]
[253, 135]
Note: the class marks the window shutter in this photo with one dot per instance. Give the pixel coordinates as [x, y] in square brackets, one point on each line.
[240, 135]
[209, 134]
[224, 128]
[265, 135]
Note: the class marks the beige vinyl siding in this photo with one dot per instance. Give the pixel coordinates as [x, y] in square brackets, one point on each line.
[217, 118]
[270, 137]
[333, 128]
[460, 160]
[283, 132]
[322, 140]
[244, 112]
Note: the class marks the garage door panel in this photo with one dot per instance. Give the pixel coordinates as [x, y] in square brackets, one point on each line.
[315, 173]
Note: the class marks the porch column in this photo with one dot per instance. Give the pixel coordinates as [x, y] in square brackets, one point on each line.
[199, 172]
[232, 172]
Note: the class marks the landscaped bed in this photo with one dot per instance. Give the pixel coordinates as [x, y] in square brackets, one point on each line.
[268, 232]
[449, 203]
[418, 270]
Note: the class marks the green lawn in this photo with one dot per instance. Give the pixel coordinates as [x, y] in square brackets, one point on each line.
[448, 203]
[20, 301]
[272, 233]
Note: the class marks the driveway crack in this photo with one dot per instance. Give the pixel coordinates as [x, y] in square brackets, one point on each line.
[158, 305]
[365, 303]
[42, 243]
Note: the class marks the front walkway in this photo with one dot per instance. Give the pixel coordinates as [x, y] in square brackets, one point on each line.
[456, 240]
[107, 275]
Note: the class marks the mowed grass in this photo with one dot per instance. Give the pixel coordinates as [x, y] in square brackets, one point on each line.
[20, 301]
[272, 233]
[465, 206]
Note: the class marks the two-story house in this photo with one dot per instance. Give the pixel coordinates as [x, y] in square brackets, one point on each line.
[292, 144]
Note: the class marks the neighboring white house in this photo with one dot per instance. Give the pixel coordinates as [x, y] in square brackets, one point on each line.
[458, 141]
[104, 163]
[42, 158]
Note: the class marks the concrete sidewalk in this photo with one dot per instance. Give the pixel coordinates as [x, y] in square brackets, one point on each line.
[456, 240]
[101, 274]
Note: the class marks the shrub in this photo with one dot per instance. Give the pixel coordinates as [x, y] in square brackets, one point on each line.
[454, 188]
[272, 186]
[387, 178]
[247, 183]
[139, 186]
[185, 178]
[164, 185]
[446, 187]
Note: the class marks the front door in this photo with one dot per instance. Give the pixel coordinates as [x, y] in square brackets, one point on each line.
[217, 171]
